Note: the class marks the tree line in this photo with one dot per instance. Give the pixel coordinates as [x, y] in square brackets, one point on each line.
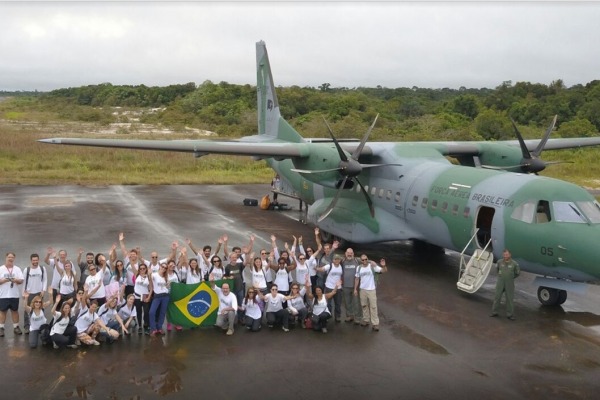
[405, 113]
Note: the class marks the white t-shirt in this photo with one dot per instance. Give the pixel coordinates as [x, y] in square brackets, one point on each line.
[282, 280]
[96, 280]
[335, 274]
[274, 304]
[193, 278]
[59, 326]
[106, 313]
[7, 292]
[367, 280]
[226, 301]
[159, 284]
[54, 264]
[125, 312]
[259, 279]
[86, 320]
[67, 284]
[298, 301]
[252, 309]
[320, 306]
[36, 321]
[35, 284]
[141, 287]
[302, 271]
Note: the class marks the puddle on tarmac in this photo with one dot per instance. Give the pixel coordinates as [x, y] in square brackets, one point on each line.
[416, 339]
[164, 383]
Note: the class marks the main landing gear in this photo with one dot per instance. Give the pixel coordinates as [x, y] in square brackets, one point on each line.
[550, 296]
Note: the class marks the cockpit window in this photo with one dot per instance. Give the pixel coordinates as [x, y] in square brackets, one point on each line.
[568, 212]
[591, 209]
[524, 212]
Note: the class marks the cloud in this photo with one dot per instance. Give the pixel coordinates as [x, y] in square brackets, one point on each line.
[47, 46]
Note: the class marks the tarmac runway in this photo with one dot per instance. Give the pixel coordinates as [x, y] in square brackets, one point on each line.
[435, 342]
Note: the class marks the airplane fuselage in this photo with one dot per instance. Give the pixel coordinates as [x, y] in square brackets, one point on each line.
[432, 200]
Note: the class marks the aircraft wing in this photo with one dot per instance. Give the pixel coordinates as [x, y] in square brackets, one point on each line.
[197, 147]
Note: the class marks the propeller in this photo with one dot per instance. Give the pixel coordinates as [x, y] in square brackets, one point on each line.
[532, 162]
[349, 168]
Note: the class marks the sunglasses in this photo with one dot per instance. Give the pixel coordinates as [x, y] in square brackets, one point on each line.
[273, 290]
[364, 259]
[216, 261]
[301, 258]
[154, 256]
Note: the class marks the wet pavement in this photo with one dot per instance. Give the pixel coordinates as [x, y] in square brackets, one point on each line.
[435, 342]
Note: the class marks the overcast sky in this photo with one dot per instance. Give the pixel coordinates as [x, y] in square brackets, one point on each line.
[51, 45]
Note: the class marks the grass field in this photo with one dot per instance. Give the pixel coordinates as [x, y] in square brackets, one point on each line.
[25, 161]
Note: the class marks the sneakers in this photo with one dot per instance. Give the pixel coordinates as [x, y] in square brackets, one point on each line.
[178, 328]
[154, 333]
[160, 332]
[285, 329]
[18, 331]
[96, 343]
[229, 332]
[169, 327]
[349, 319]
[303, 324]
[363, 324]
[72, 346]
[26, 330]
[77, 342]
[493, 314]
[356, 322]
[54, 345]
[324, 330]
[147, 331]
[140, 331]
[1, 332]
[376, 328]
[511, 317]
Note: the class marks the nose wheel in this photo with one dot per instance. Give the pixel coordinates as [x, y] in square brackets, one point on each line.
[551, 296]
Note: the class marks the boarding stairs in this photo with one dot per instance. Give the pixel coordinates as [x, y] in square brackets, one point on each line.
[472, 274]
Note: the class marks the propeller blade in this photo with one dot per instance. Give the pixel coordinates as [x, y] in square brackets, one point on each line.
[343, 156]
[306, 171]
[369, 201]
[334, 201]
[540, 147]
[524, 149]
[358, 150]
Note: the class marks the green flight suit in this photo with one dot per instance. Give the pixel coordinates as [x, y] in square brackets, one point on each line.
[507, 272]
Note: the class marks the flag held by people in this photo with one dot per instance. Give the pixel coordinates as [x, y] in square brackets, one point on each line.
[193, 305]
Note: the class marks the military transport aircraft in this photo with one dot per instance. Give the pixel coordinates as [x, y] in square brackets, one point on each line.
[367, 192]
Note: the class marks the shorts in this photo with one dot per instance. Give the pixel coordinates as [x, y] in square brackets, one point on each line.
[10, 303]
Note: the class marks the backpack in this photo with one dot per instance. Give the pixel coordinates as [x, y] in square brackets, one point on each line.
[265, 202]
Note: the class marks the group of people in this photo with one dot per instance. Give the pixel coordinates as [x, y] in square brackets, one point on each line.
[101, 297]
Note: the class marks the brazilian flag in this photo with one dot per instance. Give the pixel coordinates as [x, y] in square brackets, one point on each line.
[194, 305]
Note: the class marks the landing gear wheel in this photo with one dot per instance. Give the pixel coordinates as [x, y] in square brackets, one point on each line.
[549, 296]
[562, 296]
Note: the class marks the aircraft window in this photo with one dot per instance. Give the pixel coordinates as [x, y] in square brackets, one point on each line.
[466, 212]
[397, 198]
[381, 191]
[388, 195]
[524, 212]
[444, 206]
[424, 202]
[567, 212]
[455, 209]
[373, 191]
[415, 200]
[591, 210]
[366, 188]
[433, 204]
[542, 215]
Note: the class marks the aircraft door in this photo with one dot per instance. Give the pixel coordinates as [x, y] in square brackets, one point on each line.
[483, 222]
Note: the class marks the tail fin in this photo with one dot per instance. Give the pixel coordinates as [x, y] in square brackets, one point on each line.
[270, 121]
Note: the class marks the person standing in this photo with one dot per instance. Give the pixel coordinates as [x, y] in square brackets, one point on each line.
[508, 269]
[351, 302]
[365, 285]
[36, 282]
[11, 277]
